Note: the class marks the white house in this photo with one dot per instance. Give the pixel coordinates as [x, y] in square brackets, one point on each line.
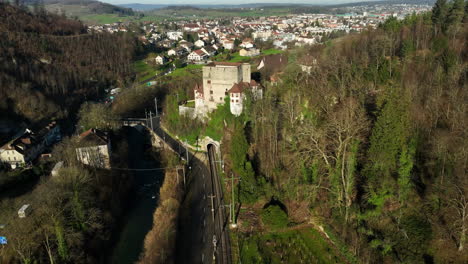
[29, 145]
[265, 35]
[191, 27]
[175, 35]
[172, 52]
[95, 149]
[228, 44]
[160, 60]
[199, 43]
[210, 51]
[237, 95]
[247, 44]
[249, 53]
[197, 55]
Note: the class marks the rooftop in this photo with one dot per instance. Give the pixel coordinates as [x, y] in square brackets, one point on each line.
[93, 137]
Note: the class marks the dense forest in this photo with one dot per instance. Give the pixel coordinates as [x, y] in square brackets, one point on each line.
[371, 143]
[49, 64]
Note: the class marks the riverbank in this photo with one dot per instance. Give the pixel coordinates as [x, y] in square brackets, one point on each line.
[160, 242]
[139, 217]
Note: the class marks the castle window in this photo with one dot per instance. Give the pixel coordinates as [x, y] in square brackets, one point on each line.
[209, 81]
[237, 101]
[211, 91]
[220, 98]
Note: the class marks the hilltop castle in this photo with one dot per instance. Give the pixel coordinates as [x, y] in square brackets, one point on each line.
[221, 79]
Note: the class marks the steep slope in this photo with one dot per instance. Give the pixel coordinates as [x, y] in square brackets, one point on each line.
[50, 64]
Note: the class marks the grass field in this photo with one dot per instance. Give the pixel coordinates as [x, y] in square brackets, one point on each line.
[143, 70]
[174, 14]
[235, 57]
[189, 69]
[271, 51]
[104, 18]
[169, 14]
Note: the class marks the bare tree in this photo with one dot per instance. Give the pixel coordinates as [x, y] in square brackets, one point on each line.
[460, 204]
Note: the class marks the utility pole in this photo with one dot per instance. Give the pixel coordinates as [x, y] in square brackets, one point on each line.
[233, 203]
[183, 173]
[186, 150]
[151, 120]
[212, 206]
[146, 117]
[156, 105]
[178, 145]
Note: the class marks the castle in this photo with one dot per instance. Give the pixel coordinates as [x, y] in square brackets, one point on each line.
[221, 79]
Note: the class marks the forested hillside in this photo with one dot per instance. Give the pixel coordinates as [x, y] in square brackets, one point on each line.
[371, 143]
[80, 7]
[49, 64]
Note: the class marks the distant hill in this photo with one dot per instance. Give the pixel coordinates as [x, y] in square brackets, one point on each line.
[147, 7]
[81, 8]
[142, 7]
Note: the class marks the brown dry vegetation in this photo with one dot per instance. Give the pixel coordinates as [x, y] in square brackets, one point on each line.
[160, 241]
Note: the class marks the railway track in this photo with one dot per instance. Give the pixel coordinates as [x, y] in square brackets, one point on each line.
[221, 240]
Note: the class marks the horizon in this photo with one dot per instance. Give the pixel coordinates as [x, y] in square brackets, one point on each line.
[227, 2]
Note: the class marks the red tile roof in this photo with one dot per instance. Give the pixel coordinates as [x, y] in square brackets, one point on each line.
[236, 88]
[239, 87]
[199, 52]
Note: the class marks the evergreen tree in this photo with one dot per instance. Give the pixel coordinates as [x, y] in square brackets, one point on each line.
[455, 16]
[439, 14]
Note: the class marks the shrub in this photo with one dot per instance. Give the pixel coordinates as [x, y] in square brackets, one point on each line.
[274, 217]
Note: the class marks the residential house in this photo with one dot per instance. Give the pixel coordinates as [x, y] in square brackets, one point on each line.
[210, 51]
[249, 52]
[228, 44]
[27, 146]
[160, 59]
[172, 52]
[247, 43]
[197, 55]
[192, 27]
[237, 95]
[262, 35]
[199, 43]
[166, 43]
[175, 35]
[186, 45]
[95, 149]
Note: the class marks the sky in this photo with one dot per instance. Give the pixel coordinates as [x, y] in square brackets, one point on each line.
[221, 2]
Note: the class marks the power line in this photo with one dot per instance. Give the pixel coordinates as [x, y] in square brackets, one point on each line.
[151, 169]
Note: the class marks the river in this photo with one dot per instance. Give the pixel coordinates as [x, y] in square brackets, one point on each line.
[139, 218]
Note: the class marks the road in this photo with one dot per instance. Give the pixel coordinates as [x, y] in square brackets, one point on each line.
[156, 76]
